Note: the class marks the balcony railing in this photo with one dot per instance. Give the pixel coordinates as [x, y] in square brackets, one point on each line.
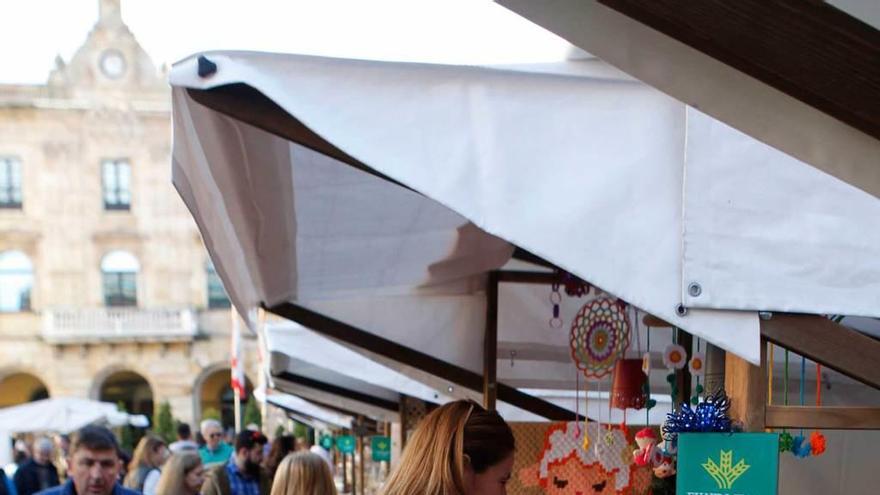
[118, 324]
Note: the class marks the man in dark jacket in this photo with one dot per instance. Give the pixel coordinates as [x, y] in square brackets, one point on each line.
[93, 465]
[38, 473]
[243, 474]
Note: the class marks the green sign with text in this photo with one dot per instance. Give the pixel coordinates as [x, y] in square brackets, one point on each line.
[345, 444]
[381, 447]
[727, 464]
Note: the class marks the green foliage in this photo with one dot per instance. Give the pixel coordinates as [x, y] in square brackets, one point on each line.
[210, 413]
[280, 431]
[300, 430]
[252, 414]
[124, 433]
[164, 426]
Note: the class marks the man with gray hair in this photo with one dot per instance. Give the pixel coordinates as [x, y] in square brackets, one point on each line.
[38, 473]
[215, 451]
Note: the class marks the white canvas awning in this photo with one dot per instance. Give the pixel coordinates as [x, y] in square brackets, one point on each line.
[305, 411]
[64, 415]
[573, 162]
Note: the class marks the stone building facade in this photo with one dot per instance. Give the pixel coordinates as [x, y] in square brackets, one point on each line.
[106, 290]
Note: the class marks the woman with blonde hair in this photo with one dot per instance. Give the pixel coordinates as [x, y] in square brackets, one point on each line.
[146, 464]
[303, 473]
[183, 474]
[458, 449]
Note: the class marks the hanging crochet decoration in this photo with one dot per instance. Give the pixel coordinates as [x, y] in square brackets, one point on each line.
[599, 335]
[711, 415]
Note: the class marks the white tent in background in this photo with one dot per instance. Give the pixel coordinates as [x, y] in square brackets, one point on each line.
[64, 415]
[60, 415]
[373, 199]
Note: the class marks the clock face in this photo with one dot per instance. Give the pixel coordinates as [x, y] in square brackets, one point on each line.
[112, 64]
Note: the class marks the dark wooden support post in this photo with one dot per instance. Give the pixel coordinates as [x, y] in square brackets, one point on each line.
[683, 376]
[345, 486]
[490, 344]
[715, 359]
[746, 385]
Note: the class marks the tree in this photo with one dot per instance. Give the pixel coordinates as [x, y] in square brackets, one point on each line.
[210, 413]
[126, 437]
[280, 431]
[165, 423]
[300, 430]
[252, 415]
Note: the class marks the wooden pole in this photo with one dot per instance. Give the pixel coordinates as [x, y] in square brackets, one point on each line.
[360, 443]
[345, 484]
[683, 376]
[490, 344]
[746, 385]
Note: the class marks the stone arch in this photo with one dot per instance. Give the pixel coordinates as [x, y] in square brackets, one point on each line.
[208, 391]
[119, 383]
[18, 386]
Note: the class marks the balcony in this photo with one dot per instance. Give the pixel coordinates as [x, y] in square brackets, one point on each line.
[70, 326]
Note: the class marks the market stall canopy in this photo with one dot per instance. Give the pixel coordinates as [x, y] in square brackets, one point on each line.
[64, 415]
[799, 76]
[306, 411]
[307, 364]
[408, 182]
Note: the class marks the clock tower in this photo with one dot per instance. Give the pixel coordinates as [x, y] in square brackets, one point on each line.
[110, 63]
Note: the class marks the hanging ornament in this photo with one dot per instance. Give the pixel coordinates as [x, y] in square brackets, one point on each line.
[628, 389]
[697, 365]
[817, 443]
[800, 447]
[599, 335]
[674, 357]
[555, 299]
[711, 415]
[786, 442]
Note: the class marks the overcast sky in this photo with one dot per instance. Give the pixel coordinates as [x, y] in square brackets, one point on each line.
[32, 32]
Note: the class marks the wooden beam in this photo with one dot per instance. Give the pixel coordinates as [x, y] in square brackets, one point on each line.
[746, 385]
[655, 322]
[392, 350]
[828, 343]
[527, 256]
[490, 344]
[825, 417]
[808, 50]
[526, 277]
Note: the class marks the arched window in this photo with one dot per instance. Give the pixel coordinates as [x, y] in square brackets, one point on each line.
[16, 281]
[119, 274]
[217, 297]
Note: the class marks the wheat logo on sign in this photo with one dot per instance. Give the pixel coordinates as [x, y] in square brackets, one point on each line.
[726, 473]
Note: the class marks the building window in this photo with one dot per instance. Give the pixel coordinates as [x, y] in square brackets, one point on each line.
[116, 179]
[119, 271]
[217, 297]
[10, 182]
[16, 281]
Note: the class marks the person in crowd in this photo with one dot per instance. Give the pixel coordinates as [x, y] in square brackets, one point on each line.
[183, 474]
[281, 446]
[243, 474]
[325, 454]
[303, 473]
[6, 486]
[38, 473]
[459, 448]
[184, 440]
[93, 465]
[215, 451]
[145, 467]
[62, 449]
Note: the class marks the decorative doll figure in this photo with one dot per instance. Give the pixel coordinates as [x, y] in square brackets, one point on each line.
[646, 439]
